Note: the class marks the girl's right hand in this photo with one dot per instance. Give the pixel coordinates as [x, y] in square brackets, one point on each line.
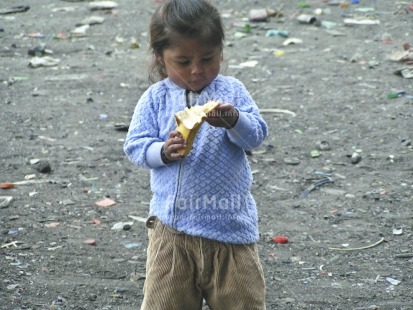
[170, 149]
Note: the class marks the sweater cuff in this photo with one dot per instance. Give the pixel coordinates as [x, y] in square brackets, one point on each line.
[153, 155]
[241, 128]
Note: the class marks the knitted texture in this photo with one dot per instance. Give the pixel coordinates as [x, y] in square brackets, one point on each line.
[206, 194]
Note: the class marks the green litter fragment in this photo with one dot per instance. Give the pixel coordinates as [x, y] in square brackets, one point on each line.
[315, 153]
[303, 5]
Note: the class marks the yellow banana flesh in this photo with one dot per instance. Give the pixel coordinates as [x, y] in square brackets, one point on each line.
[190, 120]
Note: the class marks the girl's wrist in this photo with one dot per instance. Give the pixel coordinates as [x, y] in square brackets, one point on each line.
[163, 156]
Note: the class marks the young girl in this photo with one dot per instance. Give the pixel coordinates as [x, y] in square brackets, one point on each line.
[203, 219]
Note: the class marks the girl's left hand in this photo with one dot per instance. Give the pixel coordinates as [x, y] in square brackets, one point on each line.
[225, 115]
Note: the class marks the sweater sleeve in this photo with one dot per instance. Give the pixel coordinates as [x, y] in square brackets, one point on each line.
[143, 145]
[250, 130]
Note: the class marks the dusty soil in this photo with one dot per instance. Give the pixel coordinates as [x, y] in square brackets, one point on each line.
[62, 130]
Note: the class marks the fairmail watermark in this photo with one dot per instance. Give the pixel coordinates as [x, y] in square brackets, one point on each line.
[210, 202]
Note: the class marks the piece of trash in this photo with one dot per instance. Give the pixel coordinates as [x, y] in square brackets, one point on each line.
[279, 53]
[396, 94]
[103, 116]
[121, 127]
[239, 35]
[105, 202]
[306, 19]
[407, 73]
[262, 15]
[277, 111]
[248, 64]
[90, 242]
[276, 33]
[52, 225]
[15, 9]
[6, 185]
[317, 184]
[138, 218]
[132, 245]
[80, 31]
[102, 5]
[46, 61]
[292, 41]
[121, 225]
[351, 21]
[327, 24]
[315, 154]
[5, 201]
[303, 5]
[91, 20]
[280, 239]
[393, 281]
[96, 221]
[134, 43]
[360, 248]
[397, 231]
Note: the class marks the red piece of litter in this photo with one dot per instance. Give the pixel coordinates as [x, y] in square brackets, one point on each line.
[6, 185]
[280, 239]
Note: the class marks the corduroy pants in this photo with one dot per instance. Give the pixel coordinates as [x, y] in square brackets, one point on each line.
[182, 270]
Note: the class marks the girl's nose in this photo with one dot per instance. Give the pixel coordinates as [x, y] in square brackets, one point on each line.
[197, 69]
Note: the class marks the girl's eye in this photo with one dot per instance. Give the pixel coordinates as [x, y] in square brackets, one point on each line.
[183, 63]
[207, 59]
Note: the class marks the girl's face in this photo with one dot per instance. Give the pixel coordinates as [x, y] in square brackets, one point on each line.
[190, 64]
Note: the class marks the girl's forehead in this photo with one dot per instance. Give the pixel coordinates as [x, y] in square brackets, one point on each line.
[191, 45]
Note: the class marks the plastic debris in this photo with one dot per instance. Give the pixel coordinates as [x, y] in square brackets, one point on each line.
[121, 225]
[317, 184]
[351, 21]
[15, 9]
[46, 61]
[306, 19]
[393, 281]
[6, 185]
[5, 201]
[90, 242]
[262, 15]
[276, 33]
[105, 202]
[102, 5]
[280, 239]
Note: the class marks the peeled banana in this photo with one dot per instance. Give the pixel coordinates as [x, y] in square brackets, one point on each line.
[190, 120]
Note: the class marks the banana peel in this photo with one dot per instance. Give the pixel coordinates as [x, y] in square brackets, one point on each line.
[190, 120]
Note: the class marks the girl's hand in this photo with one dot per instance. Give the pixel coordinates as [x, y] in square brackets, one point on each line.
[170, 149]
[225, 115]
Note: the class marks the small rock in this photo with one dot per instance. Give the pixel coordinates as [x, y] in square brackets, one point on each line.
[355, 158]
[292, 161]
[5, 201]
[43, 166]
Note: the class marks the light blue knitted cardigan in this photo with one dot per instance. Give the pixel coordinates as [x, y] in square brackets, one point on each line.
[206, 194]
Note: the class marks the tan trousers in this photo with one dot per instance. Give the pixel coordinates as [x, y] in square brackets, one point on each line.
[182, 270]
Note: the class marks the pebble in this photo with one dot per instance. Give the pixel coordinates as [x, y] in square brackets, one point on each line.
[292, 161]
[43, 166]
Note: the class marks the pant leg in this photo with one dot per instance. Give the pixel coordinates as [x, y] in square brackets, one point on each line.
[237, 280]
[170, 271]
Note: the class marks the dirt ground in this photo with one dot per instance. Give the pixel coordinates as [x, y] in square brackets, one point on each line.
[334, 176]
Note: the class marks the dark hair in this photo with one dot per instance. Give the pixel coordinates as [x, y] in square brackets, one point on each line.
[175, 19]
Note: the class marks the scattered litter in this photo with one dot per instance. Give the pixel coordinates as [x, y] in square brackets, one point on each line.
[293, 161]
[105, 202]
[52, 225]
[360, 248]
[276, 33]
[351, 21]
[46, 61]
[317, 184]
[292, 41]
[248, 64]
[393, 281]
[121, 225]
[92, 20]
[397, 231]
[280, 239]
[262, 15]
[137, 218]
[5, 201]
[323, 146]
[132, 245]
[15, 9]
[90, 242]
[306, 19]
[6, 185]
[102, 5]
[80, 31]
[277, 111]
